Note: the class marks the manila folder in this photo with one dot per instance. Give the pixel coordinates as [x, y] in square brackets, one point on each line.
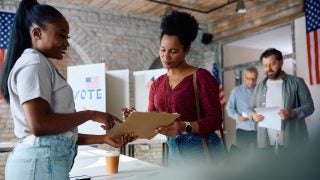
[143, 124]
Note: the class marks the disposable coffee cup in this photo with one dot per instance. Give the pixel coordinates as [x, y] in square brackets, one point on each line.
[112, 161]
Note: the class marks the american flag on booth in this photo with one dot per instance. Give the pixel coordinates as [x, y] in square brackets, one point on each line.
[6, 20]
[92, 82]
[216, 74]
[312, 12]
[149, 83]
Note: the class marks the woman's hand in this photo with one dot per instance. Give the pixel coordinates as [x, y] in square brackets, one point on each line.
[172, 130]
[120, 141]
[107, 120]
[127, 111]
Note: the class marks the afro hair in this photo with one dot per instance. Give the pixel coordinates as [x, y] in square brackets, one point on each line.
[180, 24]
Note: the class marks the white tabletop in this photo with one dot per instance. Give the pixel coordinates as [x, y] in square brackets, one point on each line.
[7, 146]
[91, 162]
[158, 139]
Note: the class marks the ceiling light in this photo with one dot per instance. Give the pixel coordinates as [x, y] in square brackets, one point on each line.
[241, 8]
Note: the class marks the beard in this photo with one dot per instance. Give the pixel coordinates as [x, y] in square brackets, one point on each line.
[274, 75]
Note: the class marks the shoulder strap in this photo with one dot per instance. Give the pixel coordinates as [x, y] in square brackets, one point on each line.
[195, 87]
[205, 145]
[203, 140]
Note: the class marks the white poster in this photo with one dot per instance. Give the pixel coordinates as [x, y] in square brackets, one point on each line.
[88, 83]
[142, 84]
[117, 91]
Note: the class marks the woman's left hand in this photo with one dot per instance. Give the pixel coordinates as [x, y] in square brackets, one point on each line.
[127, 111]
[171, 130]
[120, 141]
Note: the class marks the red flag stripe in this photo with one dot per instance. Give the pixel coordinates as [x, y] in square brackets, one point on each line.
[309, 58]
[2, 52]
[221, 96]
[316, 48]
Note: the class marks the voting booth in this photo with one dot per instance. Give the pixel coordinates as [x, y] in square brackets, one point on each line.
[142, 84]
[95, 89]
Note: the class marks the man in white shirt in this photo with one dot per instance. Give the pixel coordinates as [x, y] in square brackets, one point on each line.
[289, 93]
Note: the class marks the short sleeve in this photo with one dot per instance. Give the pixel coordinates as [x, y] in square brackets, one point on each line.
[33, 82]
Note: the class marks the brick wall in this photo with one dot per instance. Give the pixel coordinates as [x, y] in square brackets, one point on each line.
[122, 41]
[149, 152]
[3, 158]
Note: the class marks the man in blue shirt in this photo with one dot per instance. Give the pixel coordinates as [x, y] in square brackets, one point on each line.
[237, 109]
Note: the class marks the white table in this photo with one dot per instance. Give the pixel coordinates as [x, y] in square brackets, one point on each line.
[91, 162]
[7, 146]
[158, 139]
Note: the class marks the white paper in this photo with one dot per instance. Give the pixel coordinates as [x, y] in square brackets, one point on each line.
[271, 119]
[244, 114]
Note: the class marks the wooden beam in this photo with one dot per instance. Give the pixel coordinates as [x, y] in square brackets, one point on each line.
[256, 28]
[281, 12]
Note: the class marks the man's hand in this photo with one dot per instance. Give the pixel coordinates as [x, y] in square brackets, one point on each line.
[257, 117]
[242, 118]
[285, 114]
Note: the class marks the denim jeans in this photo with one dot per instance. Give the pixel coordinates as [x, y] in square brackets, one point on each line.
[188, 148]
[47, 157]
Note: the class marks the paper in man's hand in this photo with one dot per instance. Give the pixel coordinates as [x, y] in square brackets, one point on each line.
[271, 118]
[143, 124]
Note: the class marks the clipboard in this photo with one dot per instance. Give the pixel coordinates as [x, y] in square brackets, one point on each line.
[143, 124]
